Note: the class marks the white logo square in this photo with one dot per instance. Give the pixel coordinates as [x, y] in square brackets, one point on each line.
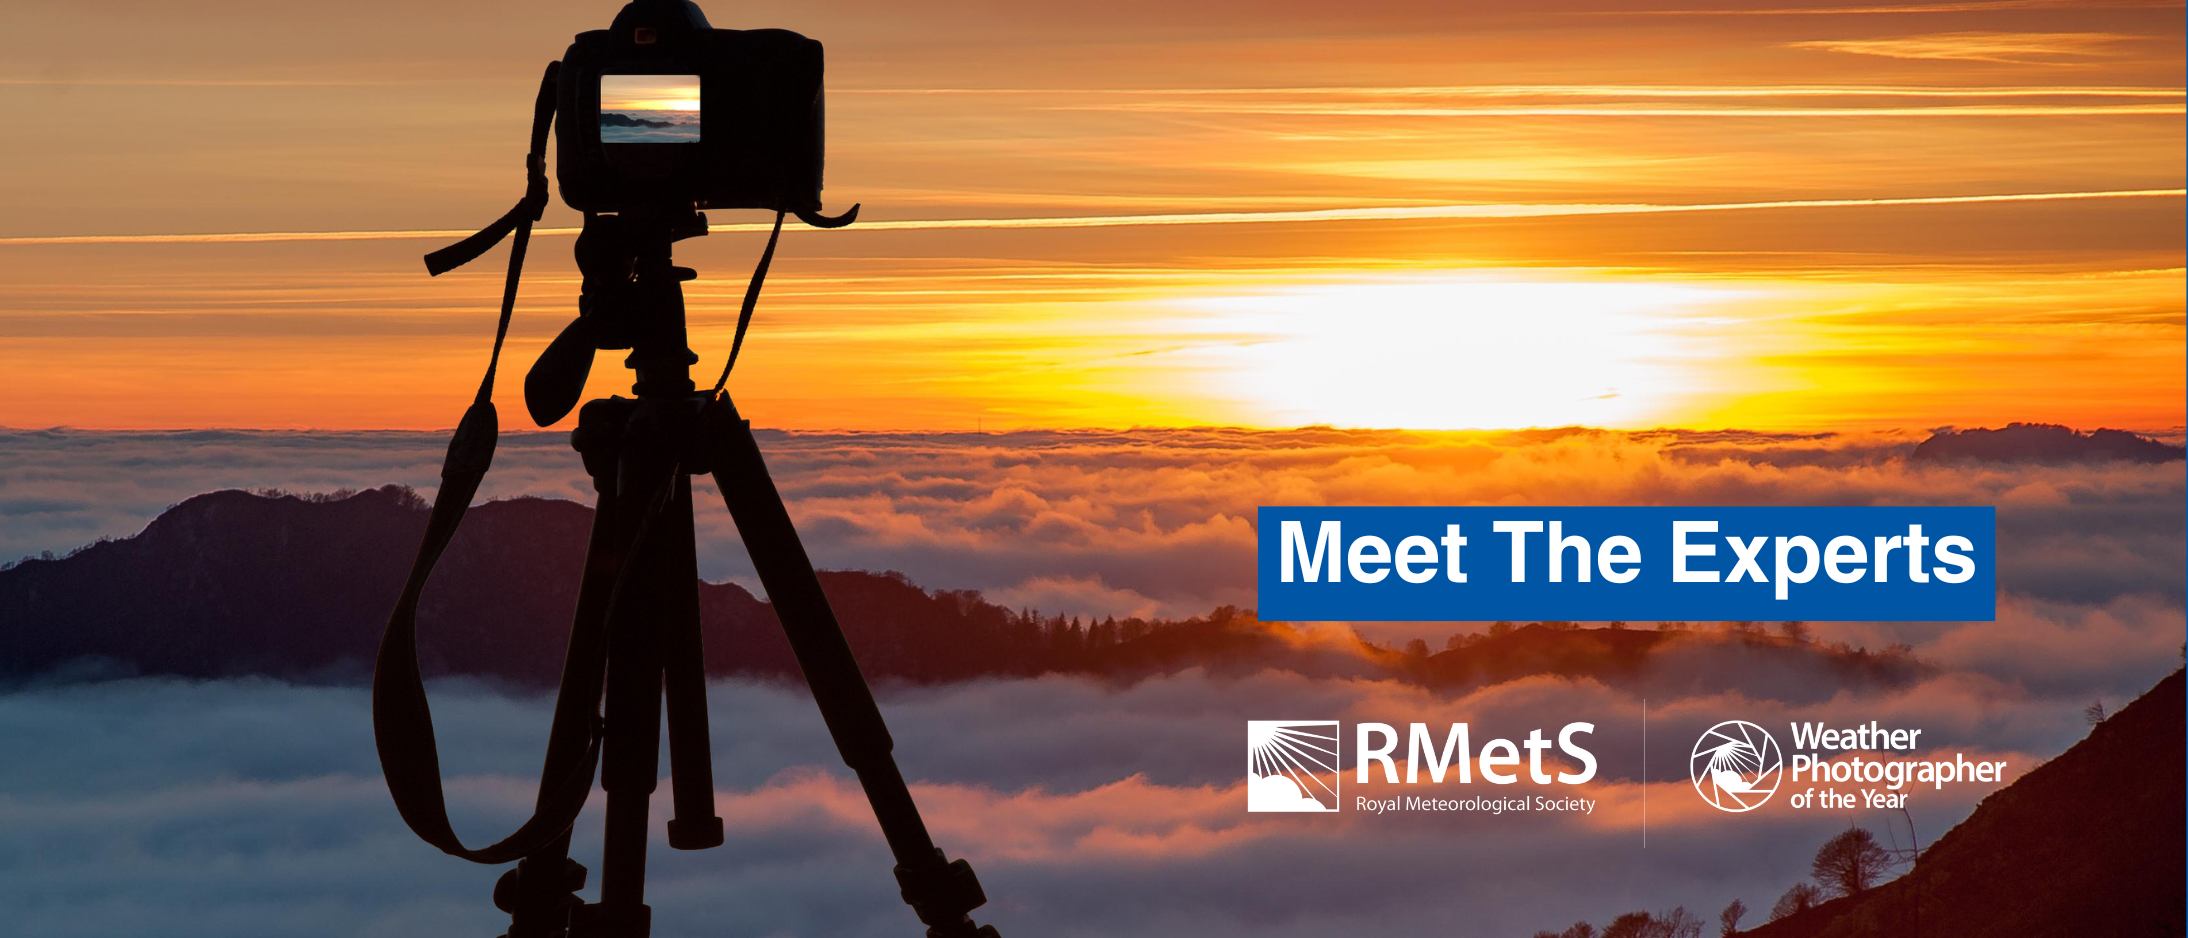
[1291, 765]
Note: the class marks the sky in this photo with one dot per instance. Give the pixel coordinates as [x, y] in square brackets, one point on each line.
[648, 93]
[1626, 214]
[1123, 272]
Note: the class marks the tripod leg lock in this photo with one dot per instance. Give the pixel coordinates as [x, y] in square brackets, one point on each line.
[539, 895]
[695, 833]
[598, 437]
[941, 893]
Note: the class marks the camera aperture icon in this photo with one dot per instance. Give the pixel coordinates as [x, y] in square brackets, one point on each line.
[1736, 766]
[1291, 765]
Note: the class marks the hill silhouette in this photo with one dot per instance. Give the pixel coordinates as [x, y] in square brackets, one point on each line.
[2088, 845]
[298, 587]
[613, 119]
[2043, 443]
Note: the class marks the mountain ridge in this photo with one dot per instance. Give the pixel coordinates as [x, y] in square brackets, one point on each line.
[234, 583]
[2043, 443]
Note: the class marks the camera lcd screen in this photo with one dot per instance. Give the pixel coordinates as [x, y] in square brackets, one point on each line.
[649, 109]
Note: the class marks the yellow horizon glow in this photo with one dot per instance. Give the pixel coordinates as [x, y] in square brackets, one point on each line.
[1422, 217]
[649, 92]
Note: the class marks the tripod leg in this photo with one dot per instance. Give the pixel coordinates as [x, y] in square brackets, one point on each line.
[630, 756]
[941, 892]
[538, 894]
[684, 680]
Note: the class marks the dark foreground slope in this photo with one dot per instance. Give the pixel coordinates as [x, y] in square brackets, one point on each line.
[2087, 845]
[235, 583]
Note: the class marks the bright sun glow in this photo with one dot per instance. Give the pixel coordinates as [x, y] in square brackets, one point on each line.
[649, 92]
[1466, 353]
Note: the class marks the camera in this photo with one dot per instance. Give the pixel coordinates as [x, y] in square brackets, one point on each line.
[661, 110]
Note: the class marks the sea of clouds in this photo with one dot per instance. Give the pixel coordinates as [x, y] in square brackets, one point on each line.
[1146, 521]
[254, 808]
[246, 808]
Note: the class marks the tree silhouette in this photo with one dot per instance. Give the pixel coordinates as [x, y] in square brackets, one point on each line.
[1850, 863]
[1800, 898]
[1677, 922]
[1631, 925]
[1729, 919]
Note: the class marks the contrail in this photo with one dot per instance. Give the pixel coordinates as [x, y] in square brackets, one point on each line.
[1351, 110]
[1981, 6]
[1477, 210]
[1572, 91]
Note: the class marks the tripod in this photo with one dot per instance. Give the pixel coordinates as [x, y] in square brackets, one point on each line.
[635, 639]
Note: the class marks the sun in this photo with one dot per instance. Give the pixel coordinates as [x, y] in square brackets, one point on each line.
[1463, 352]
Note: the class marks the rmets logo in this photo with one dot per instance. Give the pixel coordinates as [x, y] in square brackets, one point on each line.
[1291, 765]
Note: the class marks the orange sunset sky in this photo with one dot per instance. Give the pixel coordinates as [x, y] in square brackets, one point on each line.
[1622, 213]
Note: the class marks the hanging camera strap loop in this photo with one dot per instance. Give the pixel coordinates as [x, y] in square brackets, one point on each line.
[752, 299]
[402, 721]
[759, 276]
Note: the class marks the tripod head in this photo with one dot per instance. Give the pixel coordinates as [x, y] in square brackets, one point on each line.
[632, 298]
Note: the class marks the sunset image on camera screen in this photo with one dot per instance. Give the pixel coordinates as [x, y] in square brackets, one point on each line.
[649, 109]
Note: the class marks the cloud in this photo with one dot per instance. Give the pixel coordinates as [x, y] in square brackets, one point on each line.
[1124, 522]
[1074, 596]
[1979, 6]
[250, 808]
[1472, 210]
[1976, 46]
[1279, 793]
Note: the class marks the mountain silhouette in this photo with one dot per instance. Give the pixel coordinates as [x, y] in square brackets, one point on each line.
[613, 119]
[2043, 443]
[2089, 845]
[294, 587]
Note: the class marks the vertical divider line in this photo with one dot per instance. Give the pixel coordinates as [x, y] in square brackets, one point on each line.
[1644, 773]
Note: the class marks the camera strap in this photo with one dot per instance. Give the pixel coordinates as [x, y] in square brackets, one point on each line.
[402, 722]
[752, 300]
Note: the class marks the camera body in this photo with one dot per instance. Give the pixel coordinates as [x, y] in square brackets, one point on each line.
[751, 138]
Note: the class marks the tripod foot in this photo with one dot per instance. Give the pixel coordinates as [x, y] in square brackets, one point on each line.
[596, 920]
[943, 893]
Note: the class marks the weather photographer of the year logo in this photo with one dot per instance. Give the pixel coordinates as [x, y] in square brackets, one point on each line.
[1736, 766]
[1291, 765]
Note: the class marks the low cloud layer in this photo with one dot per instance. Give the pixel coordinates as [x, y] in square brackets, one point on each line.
[1161, 514]
[254, 808]
[1161, 521]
